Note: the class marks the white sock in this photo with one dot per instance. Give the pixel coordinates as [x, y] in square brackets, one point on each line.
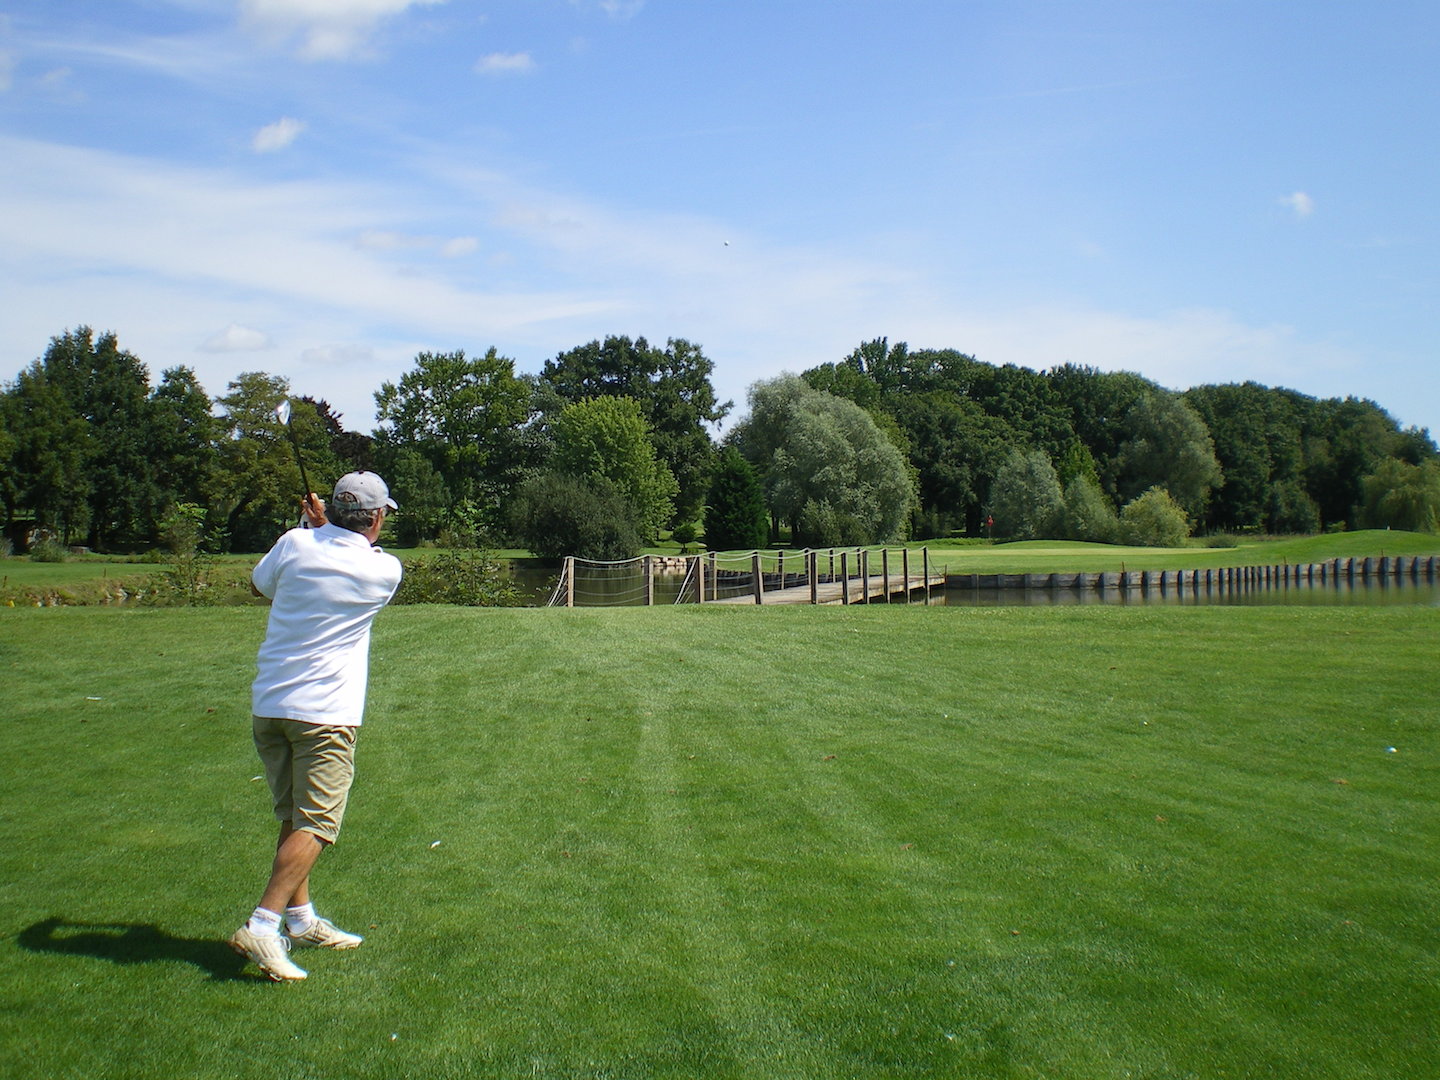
[264, 923]
[299, 919]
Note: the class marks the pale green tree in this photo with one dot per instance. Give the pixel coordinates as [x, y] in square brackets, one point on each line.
[828, 470]
[1398, 495]
[1088, 513]
[608, 438]
[1026, 500]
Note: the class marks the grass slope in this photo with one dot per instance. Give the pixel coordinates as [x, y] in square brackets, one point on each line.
[789, 842]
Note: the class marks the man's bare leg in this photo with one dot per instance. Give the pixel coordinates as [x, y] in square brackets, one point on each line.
[295, 854]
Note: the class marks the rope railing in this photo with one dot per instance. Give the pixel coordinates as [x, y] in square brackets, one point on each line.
[844, 575]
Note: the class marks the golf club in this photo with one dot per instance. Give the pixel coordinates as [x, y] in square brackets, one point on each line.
[282, 413]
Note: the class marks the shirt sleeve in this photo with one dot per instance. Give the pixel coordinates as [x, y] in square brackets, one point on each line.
[266, 574]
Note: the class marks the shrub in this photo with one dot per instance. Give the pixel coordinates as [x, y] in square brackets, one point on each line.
[471, 578]
[555, 515]
[1154, 519]
[48, 551]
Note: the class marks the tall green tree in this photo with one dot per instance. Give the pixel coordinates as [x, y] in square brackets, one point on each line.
[735, 517]
[676, 396]
[47, 475]
[258, 483]
[186, 456]
[827, 469]
[1399, 495]
[467, 417]
[608, 438]
[1168, 446]
[92, 380]
[1026, 500]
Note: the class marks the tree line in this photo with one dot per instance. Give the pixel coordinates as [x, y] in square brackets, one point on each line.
[612, 442]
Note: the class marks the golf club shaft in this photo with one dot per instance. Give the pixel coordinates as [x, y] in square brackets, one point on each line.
[304, 479]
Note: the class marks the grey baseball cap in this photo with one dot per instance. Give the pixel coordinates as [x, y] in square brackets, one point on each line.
[363, 491]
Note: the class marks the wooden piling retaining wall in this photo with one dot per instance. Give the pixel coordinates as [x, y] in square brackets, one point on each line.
[1225, 578]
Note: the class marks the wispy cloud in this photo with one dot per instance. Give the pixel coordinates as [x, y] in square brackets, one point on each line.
[237, 339]
[327, 29]
[505, 64]
[277, 136]
[1300, 204]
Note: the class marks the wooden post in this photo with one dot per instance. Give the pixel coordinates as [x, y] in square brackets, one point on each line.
[844, 580]
[885, 571]
[862, 566]
[699, 565]
[832, 564]
[905, 571]
[812, 570]
[780, 565]
[925, 562]
[759, 580]
[648, 568]
[569, 573]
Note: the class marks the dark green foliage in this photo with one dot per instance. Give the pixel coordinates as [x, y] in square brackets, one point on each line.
[555, 515]
[1169, 446]
[259, 485]
[468, 418]
[735, 517]
[470, 578]
[675, 394]
[420, 492]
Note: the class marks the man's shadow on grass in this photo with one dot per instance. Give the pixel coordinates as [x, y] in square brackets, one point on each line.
[129, 943]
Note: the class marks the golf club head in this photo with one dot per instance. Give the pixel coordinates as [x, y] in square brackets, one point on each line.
[282, 412]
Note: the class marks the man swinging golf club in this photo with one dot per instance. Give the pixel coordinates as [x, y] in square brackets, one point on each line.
[326, 584]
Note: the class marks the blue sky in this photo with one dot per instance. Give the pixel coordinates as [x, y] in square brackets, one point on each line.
[1196, 191]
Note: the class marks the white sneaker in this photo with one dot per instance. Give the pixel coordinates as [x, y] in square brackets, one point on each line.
[323, 934]
[269, 953]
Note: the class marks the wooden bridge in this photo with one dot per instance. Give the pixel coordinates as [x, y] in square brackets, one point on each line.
[848, 576]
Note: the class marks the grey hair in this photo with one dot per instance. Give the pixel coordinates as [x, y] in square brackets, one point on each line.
[352, 518]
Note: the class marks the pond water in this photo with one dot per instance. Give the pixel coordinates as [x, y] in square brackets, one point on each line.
[627, 589]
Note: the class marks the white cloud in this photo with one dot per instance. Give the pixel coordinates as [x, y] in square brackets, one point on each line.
[459, 246]
[237, 339]
[343, 356]
[328, 29]
[387, 240]
[163, 255]
[277, 136]
[1300, 203]
[621, 9]
[505, 64]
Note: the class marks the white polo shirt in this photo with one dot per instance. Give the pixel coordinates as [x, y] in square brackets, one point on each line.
[327, 585]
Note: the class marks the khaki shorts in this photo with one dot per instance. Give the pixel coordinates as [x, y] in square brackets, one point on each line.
[309, 768]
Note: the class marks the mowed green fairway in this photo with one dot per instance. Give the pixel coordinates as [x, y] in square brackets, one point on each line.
[781, 842]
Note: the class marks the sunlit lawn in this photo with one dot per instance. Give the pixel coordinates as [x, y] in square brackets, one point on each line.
[751, 842]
